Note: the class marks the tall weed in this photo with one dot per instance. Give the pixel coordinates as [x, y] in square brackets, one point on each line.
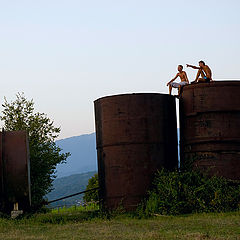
[190, 192]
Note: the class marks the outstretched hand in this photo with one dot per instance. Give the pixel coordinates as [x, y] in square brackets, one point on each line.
[187, 65]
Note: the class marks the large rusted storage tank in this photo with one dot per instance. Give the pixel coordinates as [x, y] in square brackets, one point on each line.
[15, 170]
[136, 135]
[210, 128]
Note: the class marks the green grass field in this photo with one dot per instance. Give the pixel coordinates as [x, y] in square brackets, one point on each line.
[88, 225]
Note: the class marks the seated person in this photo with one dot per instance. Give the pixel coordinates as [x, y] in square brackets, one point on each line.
[184, 80]
[204, 71]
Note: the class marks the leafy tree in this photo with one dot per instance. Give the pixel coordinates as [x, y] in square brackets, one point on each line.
[92, 195]
[44, 153]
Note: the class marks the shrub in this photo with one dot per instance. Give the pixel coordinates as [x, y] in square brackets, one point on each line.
[190, 192]
[92, 195]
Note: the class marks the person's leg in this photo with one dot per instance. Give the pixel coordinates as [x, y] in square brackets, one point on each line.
[202, 74]
[198, 74]
[203, 77]
[179, 90]
[204, 80]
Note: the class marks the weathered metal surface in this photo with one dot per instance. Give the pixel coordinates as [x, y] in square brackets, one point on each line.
[210, 127]
[136, 135]
[15, 170]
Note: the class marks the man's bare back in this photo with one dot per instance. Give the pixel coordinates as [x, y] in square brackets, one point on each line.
[207, 71]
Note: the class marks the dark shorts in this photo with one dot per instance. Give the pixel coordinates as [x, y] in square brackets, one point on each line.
[207, 80]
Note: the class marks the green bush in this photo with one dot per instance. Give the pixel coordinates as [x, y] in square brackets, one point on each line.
[92, 196]
[190, 192]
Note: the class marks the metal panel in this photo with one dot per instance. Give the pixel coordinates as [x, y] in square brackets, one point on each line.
[210, 132]
[136, 135]
[15, 170]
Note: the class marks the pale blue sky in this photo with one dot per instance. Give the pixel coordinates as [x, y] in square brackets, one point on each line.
[66, 53]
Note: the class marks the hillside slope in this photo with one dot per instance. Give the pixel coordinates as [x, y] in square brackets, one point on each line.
[67, 186]
[83, 155]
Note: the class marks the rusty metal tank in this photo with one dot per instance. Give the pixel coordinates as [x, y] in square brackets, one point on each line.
[210, 128]
[15, 170]
[136, 135]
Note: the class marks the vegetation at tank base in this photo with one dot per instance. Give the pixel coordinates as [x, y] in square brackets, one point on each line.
[189, 192]
[44, 153]
[88, 222]
[92, 196]
[181, 192]
[90, 206]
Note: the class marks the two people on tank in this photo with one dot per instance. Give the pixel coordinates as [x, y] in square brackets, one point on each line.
[203, 70]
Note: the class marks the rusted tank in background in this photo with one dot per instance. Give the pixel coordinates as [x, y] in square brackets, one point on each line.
[136, 135]
[15, 170]
[210, 128]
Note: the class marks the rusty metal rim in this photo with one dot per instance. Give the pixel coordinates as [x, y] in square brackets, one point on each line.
[195, 113]
[207, 140]
[117, 118]
[211, 151]
[135, 94]
[212, 84]
[130, 143]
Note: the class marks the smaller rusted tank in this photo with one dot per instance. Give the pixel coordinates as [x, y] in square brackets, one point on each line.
[210, 128]
[136, 135]
[15, 170]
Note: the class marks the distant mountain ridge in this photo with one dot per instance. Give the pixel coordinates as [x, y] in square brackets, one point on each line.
[83, 155]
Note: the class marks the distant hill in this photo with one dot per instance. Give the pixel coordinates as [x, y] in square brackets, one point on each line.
[83, 155]
[67, 186]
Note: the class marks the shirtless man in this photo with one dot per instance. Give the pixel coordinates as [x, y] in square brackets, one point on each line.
[204, 71]
[184, 80]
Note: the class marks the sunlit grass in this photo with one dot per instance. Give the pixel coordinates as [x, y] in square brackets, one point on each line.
[92, 206]
[92, 225]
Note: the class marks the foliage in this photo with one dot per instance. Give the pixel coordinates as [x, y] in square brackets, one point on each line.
[92, 206]
[190, 192]
[69, 185]
[92, 195]
[44, 153]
